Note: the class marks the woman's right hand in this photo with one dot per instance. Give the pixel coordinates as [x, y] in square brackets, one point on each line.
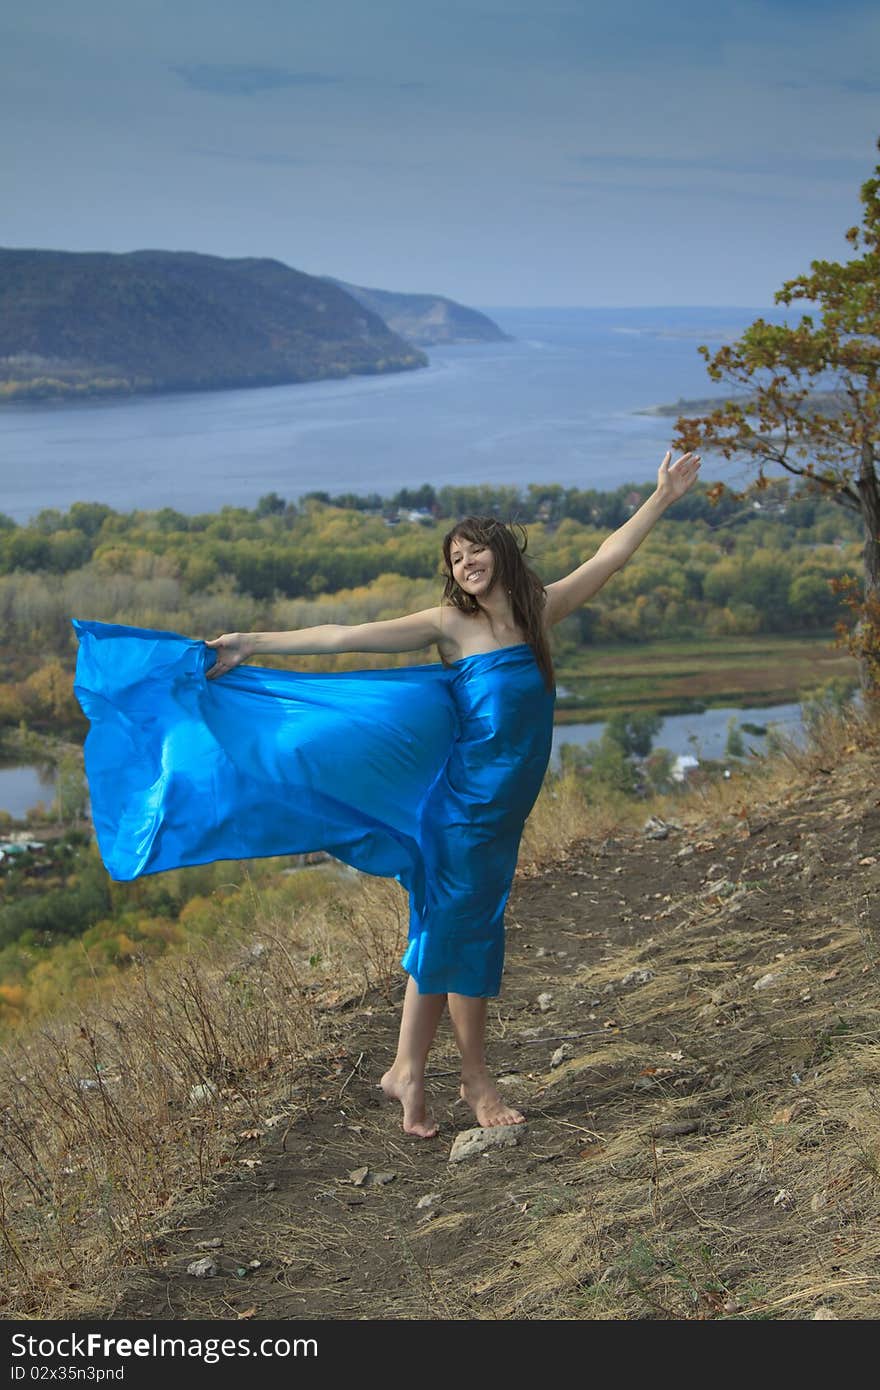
[232, 649]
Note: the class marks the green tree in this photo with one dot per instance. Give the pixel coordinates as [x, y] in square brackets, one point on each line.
[271, 505]
[812, 601]
[809, 402]
[71, 795]
[734, 747]
[656, 769]
[633, 731]
[833, 696]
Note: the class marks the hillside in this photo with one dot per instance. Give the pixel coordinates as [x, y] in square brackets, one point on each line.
[689, 1023]
[75, 324]
[427, 319]
[826, 402]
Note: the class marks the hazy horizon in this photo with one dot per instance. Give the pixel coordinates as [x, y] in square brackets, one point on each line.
[473, 304]
[507, 153]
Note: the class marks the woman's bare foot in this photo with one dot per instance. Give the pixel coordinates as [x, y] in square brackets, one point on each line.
[481, 1094]
[403, 1086]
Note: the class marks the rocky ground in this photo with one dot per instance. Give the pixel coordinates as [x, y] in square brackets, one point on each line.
[689, 1024]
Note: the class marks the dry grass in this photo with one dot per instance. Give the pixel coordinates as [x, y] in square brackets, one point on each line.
[562, 817]
[138, 1099]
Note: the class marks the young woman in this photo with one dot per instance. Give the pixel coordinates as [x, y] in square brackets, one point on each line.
[491, 631]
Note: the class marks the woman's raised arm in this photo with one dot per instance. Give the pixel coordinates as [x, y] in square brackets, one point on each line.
[407, 634]
[565, 595]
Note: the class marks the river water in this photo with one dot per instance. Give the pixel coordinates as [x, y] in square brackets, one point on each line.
[558, 404]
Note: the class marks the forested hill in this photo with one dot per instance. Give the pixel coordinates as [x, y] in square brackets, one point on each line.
[81, 323]
[427, 319]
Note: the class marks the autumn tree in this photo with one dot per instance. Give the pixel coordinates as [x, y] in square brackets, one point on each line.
[809, 402]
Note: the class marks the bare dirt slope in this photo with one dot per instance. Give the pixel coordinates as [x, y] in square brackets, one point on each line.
[707, 1143]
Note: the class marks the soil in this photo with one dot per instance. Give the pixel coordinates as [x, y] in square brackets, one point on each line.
[697, 1153]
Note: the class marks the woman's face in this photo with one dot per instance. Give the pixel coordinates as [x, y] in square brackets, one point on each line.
[473, 565]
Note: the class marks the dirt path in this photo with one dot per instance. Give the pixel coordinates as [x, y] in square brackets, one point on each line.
[709, 1144]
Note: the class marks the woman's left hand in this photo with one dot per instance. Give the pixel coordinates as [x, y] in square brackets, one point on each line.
[674, 479]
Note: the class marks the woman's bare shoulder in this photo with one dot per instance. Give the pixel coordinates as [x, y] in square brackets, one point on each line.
[453, 626]
[463, 634]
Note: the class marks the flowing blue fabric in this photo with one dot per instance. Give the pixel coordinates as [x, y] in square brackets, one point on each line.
[424, 774]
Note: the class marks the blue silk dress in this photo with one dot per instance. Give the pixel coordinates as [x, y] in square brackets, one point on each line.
[424, 774]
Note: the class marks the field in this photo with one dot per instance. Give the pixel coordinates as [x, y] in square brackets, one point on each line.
[675, 677]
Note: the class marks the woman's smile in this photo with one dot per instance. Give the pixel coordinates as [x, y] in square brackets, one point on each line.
[473, 569]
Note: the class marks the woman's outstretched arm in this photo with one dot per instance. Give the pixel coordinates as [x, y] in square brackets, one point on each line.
[408, 634]
[565, 595]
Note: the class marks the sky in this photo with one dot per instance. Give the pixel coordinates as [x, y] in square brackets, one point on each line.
[500, 152]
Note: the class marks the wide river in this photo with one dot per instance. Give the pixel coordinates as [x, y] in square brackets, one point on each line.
[557, 404]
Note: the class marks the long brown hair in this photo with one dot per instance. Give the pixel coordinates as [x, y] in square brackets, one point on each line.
[512, 572]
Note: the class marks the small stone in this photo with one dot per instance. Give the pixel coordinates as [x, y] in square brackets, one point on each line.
[676, 1129]
[561, 1055]
[477, 1141]
[382, 1179]
[824, 1315]
[719, 887]
[358, 1176]
[215, 1243]
[819, 1200]
[655, 828]
[637, 977]
[784, 859]
[767, 980]
[202, 1092]
[430, 1199]
[545, 1002]
[203, 1269]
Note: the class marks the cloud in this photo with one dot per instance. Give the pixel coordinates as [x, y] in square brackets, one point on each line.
[821, 82]
[325, 163]
[857, 84]
[797, 166]
[698, 191]
[254, 157]
[244, 79]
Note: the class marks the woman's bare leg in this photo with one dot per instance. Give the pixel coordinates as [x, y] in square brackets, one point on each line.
[405, 1078]
[468, 1017]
